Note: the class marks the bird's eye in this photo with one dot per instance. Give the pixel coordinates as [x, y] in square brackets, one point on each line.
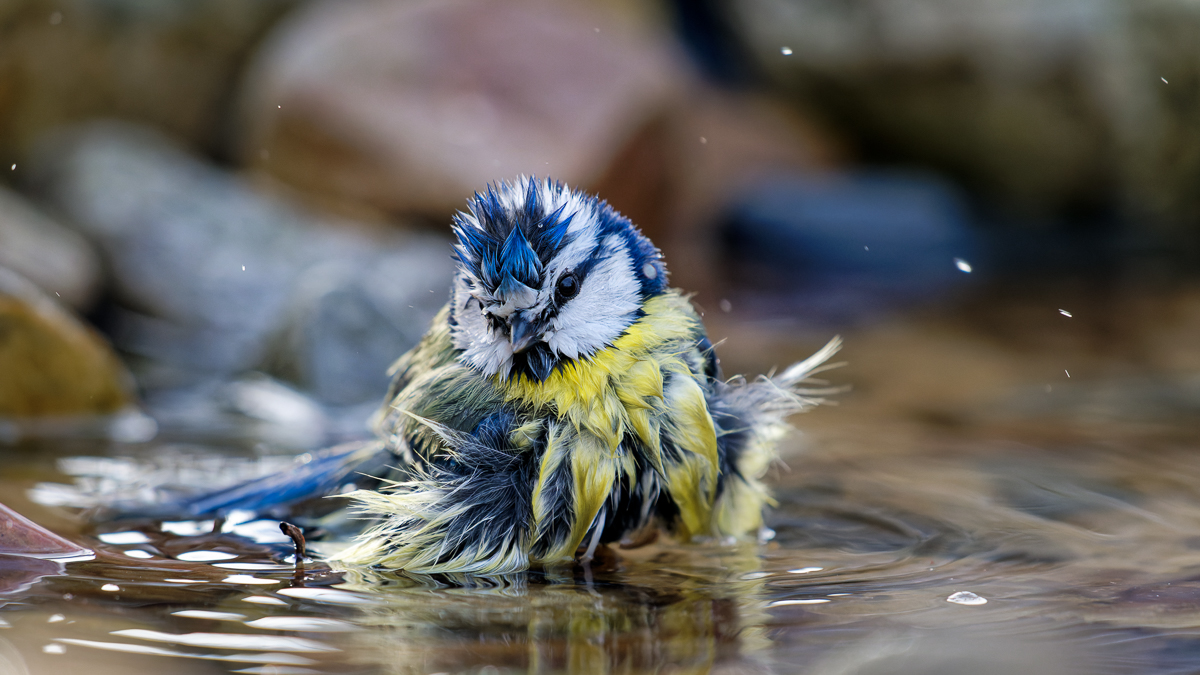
[568, 287]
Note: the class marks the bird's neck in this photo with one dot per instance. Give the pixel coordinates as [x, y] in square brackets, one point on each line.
[602, 393]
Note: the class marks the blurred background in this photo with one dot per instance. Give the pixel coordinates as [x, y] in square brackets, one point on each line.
[221, 221]
[235, 214]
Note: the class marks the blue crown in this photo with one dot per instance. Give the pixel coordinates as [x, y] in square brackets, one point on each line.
[513, 244]
[503, 246]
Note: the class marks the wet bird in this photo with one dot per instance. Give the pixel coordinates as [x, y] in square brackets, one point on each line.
[564, 398]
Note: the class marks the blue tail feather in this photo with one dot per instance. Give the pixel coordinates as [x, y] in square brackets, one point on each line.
[322, 475]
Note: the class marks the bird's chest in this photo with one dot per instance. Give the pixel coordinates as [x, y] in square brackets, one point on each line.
[607, 398]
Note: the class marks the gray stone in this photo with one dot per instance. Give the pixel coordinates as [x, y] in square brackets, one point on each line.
[214, 278]
[52, 256]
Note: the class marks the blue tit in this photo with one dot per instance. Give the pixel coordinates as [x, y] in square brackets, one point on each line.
[564, 398]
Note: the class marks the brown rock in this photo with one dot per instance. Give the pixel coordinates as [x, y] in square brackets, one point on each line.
[722, 143]
[410, 107]
[170, 64]
[55, 258]
[1051, 108]
[52, 364]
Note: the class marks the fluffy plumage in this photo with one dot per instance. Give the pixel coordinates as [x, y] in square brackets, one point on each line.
[564, 398]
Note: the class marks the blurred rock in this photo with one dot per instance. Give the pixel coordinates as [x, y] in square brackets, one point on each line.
[348, 319]
[53, 365]
[724, 143]
[1055, 108]
[55, 258]
[840, 247]
[412, 106]
[213, 278]
[172, 64]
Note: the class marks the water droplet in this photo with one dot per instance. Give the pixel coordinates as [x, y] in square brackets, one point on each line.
[703, 141]
[243, 268]
[1065, 313]
[1164, 80]
[184, 581]
[1067, 372]
[962, 265]
[726, 305]
[966, 598]
[111, 588]
[54, 649]
[55, 618]
[805, 570]
[786, 51]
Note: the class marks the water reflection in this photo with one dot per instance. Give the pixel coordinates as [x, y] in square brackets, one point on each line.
[688, 609]
[1055, 554]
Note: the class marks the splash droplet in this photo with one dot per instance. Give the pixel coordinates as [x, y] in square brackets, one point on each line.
[786, 51]
[962, 265]
[966, 598]
[1065, 313]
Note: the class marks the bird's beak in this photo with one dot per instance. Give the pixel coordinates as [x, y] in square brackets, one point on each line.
[523, 334]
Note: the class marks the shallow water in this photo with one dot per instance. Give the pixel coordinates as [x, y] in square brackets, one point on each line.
[963, 511]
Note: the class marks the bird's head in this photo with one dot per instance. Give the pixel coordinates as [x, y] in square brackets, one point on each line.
[545, 275]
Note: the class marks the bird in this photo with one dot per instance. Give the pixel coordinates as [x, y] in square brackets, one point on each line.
[565, 398]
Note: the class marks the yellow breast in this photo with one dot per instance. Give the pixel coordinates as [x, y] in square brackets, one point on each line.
[618, 391]
[612, 391]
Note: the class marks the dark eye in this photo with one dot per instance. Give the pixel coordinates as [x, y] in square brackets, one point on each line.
[567, 288]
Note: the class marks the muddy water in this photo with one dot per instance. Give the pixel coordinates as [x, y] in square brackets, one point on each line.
[987, 499]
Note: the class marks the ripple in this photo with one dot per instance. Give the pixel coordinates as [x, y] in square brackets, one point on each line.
[205, 556]
[123, 538]
[273, 643]
[302, 624]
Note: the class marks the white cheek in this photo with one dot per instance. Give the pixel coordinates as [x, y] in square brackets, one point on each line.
[481, 347]
[603, 309]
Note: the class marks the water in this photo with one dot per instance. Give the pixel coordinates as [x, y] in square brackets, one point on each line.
[951, 515]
